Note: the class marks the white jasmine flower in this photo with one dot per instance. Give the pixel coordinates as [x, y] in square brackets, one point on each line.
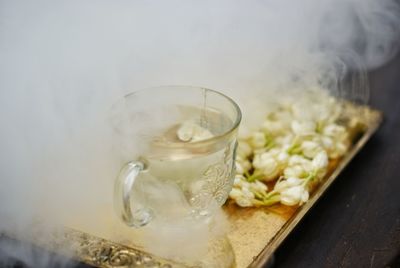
[242, 166]
[273, 127]
[267, 165]
[293, 181]
[292, 191]
[237, 181]
[190, 131]
[286, 147]
[335, 147]
[298, 166]
[320, 161]
[320, 164]
[298, 160]
[310, 149]
[296, 195]
[258, 140]
[246, 165]
[242, 197]
[327, 142]
[294, 171]
[280, 155]
[239, 168]
[303, 127]
[258, 187]
[240, 182]
[274, 151]
[326, 109]
[247, 193]
[243, 150]
[335, 131]
[285, 140]
[186, 131]
[235, 193]
[283, 157]
[335, 140]
[287, 183]
[244, 202]
[339, 149]
[259, 151]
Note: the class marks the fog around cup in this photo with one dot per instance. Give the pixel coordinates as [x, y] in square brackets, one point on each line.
[64, 63]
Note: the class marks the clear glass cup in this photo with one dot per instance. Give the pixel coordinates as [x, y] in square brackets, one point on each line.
[178, 143]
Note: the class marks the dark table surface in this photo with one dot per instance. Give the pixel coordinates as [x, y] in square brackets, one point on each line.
[356, 223]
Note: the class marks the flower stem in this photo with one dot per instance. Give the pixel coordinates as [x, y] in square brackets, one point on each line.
[273, 192]
[255, 176]
[310, 177]
[294, 147]
[273, 200]
[268, 201]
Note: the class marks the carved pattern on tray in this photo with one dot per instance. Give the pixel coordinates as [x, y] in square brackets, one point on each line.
[102, 253]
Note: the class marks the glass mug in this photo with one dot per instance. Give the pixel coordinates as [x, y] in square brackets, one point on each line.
[178, 143]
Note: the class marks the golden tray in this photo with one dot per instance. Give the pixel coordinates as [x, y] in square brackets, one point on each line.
[256, 232]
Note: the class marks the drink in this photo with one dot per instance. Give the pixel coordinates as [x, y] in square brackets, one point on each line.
[179, 142]
[187, 178]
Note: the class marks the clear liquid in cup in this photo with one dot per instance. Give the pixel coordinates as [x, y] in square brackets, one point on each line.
[186, 179]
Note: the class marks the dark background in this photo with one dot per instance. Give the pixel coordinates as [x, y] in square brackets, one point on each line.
[356, 223]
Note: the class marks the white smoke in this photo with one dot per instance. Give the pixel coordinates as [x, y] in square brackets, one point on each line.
[64, 63]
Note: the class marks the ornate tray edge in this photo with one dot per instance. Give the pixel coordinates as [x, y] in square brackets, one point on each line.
[277, 240]
[99, 252]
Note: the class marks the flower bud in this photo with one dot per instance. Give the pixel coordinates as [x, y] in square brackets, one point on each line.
[283, 158]
[327, 142]
[242, 166]
[294, 195]
[320, 162]
[258, 140]
[235, 193]
[244, 202]
[293, 181]
[239, 168]
[294, 171]
[258, 186]
[297, 160]
[190, 131]
[335, 131]
[267, 165]
[243, 150]
[310, 149]
[287, 183]
[247, 193]
[240, 182]
[303, 127]
[273, 127]
[285, 140]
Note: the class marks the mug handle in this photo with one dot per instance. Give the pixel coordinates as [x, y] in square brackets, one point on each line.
[122, 196]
